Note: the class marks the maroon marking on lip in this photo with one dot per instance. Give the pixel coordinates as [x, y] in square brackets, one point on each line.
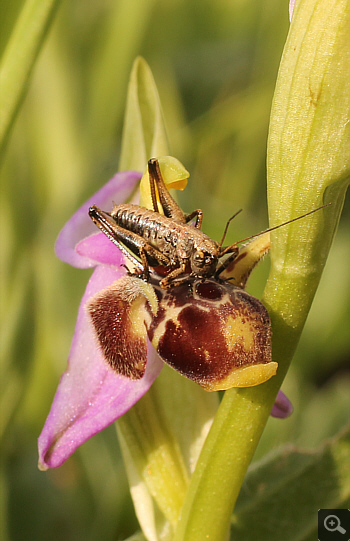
[209, 290]
[124, 351]
[196, 344]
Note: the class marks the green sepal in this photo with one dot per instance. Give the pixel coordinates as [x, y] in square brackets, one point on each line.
[161, 439]
[154, 463]
[144, 134]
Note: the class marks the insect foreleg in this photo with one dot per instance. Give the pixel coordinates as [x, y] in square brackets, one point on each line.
[199, 217]
[232, 249]
[224, 264]
[169, 281]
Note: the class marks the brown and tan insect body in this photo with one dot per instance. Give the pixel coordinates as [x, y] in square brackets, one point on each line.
[167, 240]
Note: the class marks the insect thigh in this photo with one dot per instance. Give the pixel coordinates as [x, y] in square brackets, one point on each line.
[170, 207]
[124, 238]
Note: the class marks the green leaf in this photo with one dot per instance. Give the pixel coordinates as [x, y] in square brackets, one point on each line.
[19, 57]
[144, 134]
[285, 490]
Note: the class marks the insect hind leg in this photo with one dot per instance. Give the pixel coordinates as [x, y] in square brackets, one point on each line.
[128, 241]
[170, 207]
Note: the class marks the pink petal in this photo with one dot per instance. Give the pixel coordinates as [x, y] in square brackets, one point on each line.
[282, 407]
[90, 396]
[99, 250]
[291, 9]
[117, 190]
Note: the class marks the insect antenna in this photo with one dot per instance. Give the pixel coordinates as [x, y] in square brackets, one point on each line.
[271, 228]
[226, 227]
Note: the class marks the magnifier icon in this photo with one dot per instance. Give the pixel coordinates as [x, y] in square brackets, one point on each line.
[332, 524]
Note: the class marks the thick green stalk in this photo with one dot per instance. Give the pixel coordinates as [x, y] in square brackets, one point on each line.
[223, 463]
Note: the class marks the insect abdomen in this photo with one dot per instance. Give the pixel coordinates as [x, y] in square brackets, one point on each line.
[151, 226]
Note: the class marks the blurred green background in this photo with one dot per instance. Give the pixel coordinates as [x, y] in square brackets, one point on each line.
[215, 63]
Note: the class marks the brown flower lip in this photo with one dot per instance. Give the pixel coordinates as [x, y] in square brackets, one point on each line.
[213, 333]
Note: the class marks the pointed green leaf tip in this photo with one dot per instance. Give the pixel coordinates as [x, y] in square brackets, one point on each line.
[144, 134]
[308, 152]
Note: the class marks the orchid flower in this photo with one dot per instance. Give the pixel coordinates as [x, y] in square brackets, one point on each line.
[90, 394]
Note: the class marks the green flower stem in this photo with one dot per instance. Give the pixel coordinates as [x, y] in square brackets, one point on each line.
[20, 56]
[223, 463]
[156, 455]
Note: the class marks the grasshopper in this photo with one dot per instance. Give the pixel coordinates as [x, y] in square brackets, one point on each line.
[167, 240]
